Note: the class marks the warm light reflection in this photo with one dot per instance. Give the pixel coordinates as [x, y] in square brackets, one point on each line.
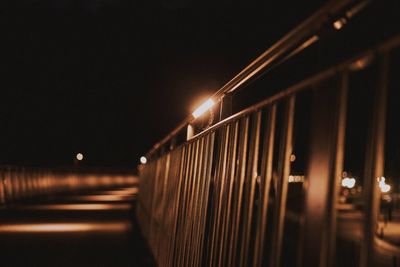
[203, 108]
[64, 227]
[77, 207]
[127, 191]
[103, 198]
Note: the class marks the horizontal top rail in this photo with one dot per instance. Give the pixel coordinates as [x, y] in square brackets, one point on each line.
[301, 37]
[349, 65]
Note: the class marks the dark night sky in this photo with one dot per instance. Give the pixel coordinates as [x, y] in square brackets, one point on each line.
[111, 78]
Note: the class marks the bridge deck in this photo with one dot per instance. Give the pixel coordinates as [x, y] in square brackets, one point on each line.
[86, 229]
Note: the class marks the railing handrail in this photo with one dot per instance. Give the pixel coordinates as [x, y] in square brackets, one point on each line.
[302, 36]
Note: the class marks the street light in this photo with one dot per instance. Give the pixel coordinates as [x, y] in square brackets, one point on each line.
[143, 160]
[203, 108]
[79, 156]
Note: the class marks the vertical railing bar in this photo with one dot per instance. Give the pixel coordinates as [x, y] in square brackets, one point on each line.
[232, 164]
[266, 177]
[251, 176]
[189, 202]
[214, 176]
[178, 211]
[283, 180]
[208, 177]
[375, 163]
[194, 236]
[182, 208]
[223, 195]
[173, 191]
[337, 172]
[198, 197]
[187, 218]
[239, 179]
[201, 200]
[163, 202]
[218, 189]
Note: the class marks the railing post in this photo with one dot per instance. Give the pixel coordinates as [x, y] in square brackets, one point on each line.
[189, 132]
[325, 145]
[226, 107]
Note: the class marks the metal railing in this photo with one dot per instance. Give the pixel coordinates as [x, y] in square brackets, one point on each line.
[262, 187]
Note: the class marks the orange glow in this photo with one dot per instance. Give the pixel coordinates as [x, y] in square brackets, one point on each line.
[128, 191]
[63, 227]
[338, 24]
[103, 198]
[203, 108]
[78, 207]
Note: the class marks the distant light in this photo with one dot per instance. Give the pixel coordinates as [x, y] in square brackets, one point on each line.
[79, 156]
[296, 178]
[383, 186]
[203, 108]
[292, 158]
[338, 24]
[349, 182]
[143, 160]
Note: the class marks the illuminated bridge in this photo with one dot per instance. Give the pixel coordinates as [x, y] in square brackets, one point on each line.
[293, 162]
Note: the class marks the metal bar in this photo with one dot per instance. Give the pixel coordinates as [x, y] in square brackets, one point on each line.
[195, 207]
[223, 196]
[374, 165]
[230, 185]
[324, 147]
[239, 188]
[283, 180]
[208, 177]
[187, 218]
[219, 188]
[178, 211]
[265, 184]
[250, 180]
[337, 172]
[200, 200]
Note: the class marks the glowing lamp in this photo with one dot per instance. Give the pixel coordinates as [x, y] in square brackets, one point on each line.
[79, 156]
[143, 160]
[203, 108]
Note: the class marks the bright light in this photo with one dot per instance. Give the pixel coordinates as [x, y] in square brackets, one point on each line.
[292, 158]
[348, 182]
[79, 156]
[338, 24]
[296, 178]
[383, 185]
[385, 188]
[143, 160]
[203, 108]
